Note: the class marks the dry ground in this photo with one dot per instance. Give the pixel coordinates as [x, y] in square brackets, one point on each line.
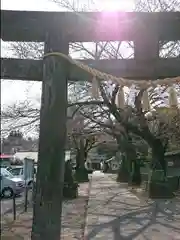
[73, 220]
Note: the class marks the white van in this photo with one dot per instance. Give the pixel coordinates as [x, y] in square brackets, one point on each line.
[18, 172]
[10, 185]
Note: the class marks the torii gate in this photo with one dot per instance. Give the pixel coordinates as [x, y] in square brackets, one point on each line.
[57, 30]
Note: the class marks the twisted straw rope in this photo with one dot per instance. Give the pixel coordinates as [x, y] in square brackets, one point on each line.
[144, 84]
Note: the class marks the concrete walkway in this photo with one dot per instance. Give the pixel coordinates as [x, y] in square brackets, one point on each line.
[114, 213]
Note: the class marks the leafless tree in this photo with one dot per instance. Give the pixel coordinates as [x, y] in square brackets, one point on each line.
[156, 131]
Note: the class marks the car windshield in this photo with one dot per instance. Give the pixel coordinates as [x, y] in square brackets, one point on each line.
[6, 173]
[16, 171]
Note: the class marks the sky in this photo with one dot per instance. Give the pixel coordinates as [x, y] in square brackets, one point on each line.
[18, 91]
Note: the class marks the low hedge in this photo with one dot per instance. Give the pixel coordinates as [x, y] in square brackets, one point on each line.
[173, 182]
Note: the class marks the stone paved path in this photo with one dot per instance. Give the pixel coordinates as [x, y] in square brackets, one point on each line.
[114, 213]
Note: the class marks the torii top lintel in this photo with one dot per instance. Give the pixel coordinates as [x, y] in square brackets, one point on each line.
[89, 26]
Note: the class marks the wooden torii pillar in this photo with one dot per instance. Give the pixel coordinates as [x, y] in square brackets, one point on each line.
[52, 139]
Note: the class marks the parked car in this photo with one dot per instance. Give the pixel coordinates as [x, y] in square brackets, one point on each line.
[18, 171]
[10, 184]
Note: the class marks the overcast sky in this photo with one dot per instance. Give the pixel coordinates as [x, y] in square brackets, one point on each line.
[15, 91]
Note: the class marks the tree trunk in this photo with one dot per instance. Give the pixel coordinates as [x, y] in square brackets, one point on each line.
[123, 171]
[70, 186]
[136, 173]
[157, 184]
[158, 159]
[81, 172]
[129, 169]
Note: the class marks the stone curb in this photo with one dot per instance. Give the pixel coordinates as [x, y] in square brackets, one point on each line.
[86, 210]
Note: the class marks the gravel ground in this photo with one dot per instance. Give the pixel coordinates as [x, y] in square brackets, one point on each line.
[73, 220]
